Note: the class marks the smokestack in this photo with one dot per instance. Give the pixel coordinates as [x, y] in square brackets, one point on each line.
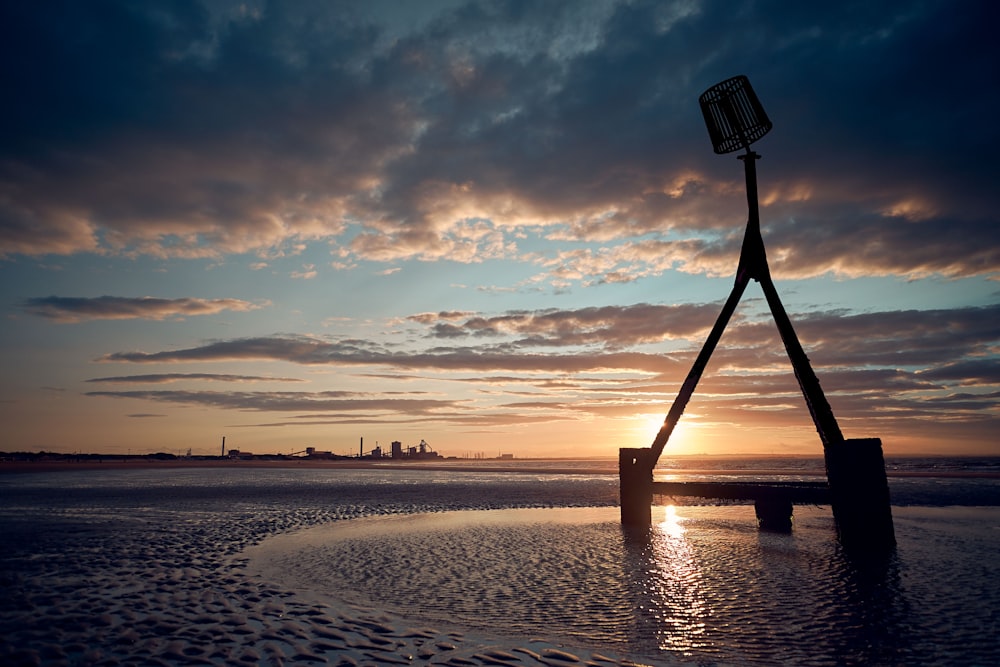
[223, 446]
[361, 453]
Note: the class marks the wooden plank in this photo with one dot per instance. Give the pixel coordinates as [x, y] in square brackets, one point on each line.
[810, 493]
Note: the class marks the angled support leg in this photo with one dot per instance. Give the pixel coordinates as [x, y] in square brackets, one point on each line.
[694, 375]
[819, 407]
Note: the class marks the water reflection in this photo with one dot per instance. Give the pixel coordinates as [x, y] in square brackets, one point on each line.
[702, 585]
[707, 587]
[672, 524]
[877, 628]
[667, 582]
[677, 579]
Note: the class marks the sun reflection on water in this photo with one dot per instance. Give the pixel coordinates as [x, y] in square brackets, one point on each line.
[676, 587]
[672, 524]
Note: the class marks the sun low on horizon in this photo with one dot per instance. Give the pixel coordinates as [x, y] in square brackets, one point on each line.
[494, 230]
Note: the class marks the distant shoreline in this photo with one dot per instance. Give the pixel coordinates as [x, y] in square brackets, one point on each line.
[524, 466]
[343, 464]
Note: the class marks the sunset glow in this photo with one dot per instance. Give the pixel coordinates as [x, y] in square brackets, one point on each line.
[499, 228]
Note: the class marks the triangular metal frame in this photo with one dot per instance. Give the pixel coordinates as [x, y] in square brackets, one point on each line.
[753, 265]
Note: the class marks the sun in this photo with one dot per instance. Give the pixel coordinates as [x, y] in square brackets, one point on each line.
[682, 439]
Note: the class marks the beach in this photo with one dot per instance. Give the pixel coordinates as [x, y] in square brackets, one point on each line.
[372, 565]
[108, 571]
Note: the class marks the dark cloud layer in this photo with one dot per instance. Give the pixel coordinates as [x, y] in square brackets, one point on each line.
[912, 365]
[77, 309]
[950, 344]
[609, 326]
[190, 130]
[286, 401]
[164, 378]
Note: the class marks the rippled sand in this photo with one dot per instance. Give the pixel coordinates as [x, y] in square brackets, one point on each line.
[280, 567]
[150, 570]
[703, 585]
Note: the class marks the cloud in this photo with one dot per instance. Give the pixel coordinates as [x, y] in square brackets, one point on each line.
[333, 401]
[308, 272]
[867, 244]
[192, 131]
[312, 351]
[895, 339]
[165, 152]
[613, 327]
[78, 309]
[869, 354]
[883, 372]
[905, 338]
[466, 420]
[164, 378]
[968, 372]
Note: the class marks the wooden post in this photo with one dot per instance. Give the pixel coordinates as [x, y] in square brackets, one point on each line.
[859, 495]
[774, 514]
[635, 486]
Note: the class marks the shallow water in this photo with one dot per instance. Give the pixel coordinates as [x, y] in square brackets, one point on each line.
[704, 586]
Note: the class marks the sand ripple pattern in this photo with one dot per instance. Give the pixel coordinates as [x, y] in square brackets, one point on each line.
[152, 568]
[704, 585]
[146, 568]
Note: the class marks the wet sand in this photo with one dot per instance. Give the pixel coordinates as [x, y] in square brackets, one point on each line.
[115, 564]
[144, 575]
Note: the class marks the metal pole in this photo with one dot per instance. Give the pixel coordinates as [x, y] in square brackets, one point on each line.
[753, 258]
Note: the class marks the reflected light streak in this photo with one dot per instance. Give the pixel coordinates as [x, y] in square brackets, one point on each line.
[672, 524]
[676, 587]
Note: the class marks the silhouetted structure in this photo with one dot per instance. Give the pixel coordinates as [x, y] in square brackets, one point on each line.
[422, 451]
[858, 489]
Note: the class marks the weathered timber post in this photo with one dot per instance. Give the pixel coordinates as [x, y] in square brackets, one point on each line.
[635, 486]
[859, 495]
[774, 514]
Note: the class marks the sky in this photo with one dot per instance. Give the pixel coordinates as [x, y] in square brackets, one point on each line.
[498, 227]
